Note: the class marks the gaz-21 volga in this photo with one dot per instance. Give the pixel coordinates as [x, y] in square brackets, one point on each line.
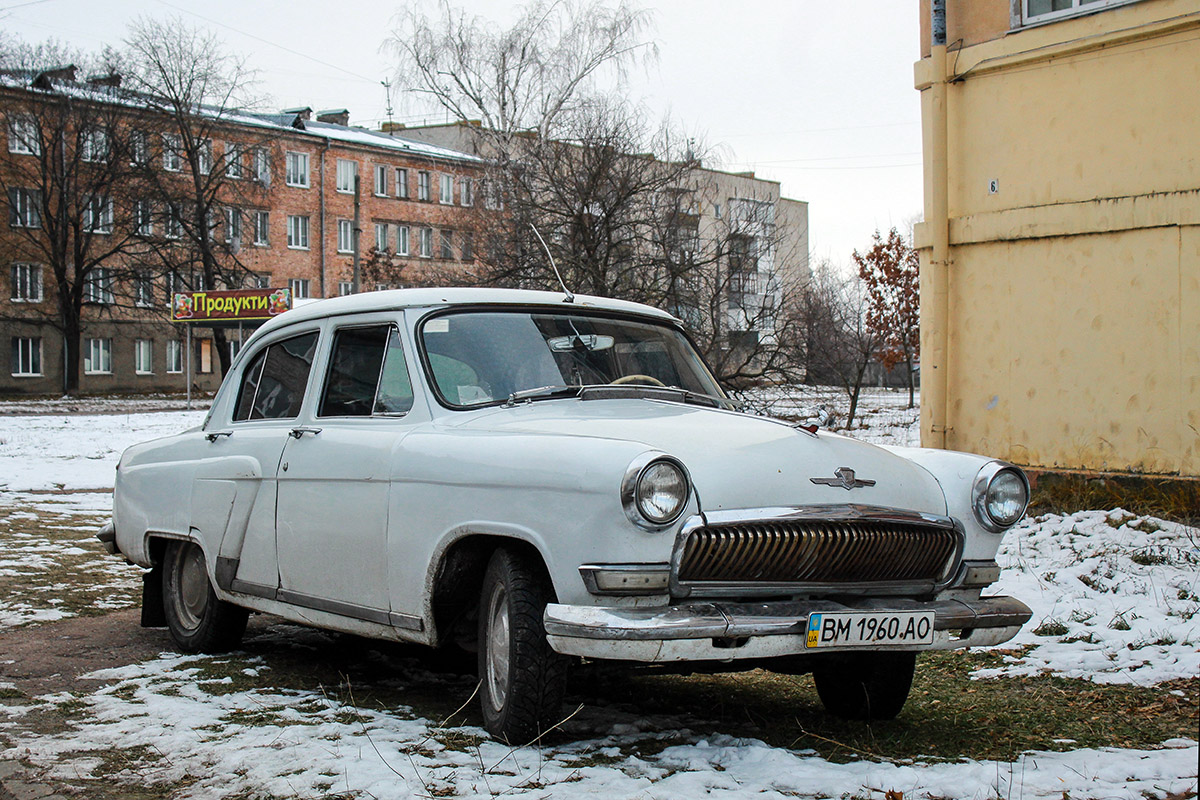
[541, 479]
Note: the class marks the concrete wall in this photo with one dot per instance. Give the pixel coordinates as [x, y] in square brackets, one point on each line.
[1074, 280]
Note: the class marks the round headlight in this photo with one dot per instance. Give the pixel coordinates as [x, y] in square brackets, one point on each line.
[661, 492]
[1001, 495]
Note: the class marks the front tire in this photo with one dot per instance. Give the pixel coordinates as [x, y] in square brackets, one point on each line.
[866, 686]
[198, 620]
[522, 680]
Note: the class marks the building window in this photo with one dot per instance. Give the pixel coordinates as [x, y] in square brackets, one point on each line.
[262, 165]
[143, 219]
[97, 214]
[143, 289]
[346, 172]
[139, 148]
[26, 283]
[466, 191]
[345, 243]
[446, 243]
[381, 175]
[297, 170]
[173, 228]
[143, 357]
[97, 357]
[381, 237]
[172, 157]
[492, 197]
[174, 356]
[98, 287]
[233, 161]
[23, 135]
[26, 356]
[24, 208]
[93, 144]
[297, 232]
[206, 355]
[422, 185]
[345, 288]
[262, 227]
[204, 157]
[233, 225]
[1043, 10]
[446, 196]
[402, 183]
[256, 281]
[402, 240]
[426, 242]
[299, 287]
[468, 246]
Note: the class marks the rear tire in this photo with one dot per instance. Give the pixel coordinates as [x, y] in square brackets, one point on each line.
[522, 680]
[867, 686]
[198, 620]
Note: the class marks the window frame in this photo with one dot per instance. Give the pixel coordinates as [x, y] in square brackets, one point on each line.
[446, 189]
[174, 357]
[140, 345]
[1078, 8]
[27, 143]
[381, 176]
[425, 243]
[345, 236]
[403, 240]
[262, 228]
[351, 172]
[393, 330]
[171, 155]
[300, 176]
[424, 183]
[263, 350]
[35, 357]
[300, 288]
[402, 192]
[301, 228]
[32, 278]
[24, 208]
[234, 168]
[101, 346]
[143, 289]
[98, 287]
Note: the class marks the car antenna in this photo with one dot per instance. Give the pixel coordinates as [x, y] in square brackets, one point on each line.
[561, 282]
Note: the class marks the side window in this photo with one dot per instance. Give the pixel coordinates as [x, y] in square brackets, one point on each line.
[367, 374]
[273, 386]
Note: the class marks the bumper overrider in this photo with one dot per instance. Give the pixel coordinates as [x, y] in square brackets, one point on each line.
[721, 631]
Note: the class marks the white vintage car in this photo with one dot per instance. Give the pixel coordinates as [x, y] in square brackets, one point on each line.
[544, 479]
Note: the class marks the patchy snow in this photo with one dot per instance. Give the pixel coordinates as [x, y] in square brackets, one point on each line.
[882, 417]
[77, 451]
[169, 722]
[1115, 597]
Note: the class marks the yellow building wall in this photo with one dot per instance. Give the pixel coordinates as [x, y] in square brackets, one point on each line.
[1074, 287]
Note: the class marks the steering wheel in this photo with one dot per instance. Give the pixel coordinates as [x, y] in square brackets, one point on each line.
[637, 378]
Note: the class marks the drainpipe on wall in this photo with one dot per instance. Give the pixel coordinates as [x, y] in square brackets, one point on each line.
[321, 219]
[934, 380]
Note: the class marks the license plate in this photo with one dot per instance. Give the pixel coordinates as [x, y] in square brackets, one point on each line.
[869, 628]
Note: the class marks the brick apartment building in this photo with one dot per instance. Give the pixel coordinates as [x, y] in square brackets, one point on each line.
[417, 211]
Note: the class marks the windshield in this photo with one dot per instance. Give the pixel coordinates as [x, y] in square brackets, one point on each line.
[481, 357]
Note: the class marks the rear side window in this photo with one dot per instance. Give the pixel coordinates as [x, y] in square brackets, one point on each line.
[273, 384]
[367, 374]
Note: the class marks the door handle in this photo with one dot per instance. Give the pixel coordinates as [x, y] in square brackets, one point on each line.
[296, 433]
[212, 436]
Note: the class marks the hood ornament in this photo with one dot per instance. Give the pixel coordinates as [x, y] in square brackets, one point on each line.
[845, 479]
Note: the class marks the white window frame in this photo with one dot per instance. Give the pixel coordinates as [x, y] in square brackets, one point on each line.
[98, 214]
[297, 232]
[426, 243]
[381, 238]
[174, 357]
[345, 288]
[24, 208]
[143, 357]
[445, 244]
[262, 228]
[204, 156]
[298, 169]
[97, 357]
[466, 250]
[466, 191]
[381, 180]
[143, 218]
[347, 171]
[98, 288]
[1078, 8]
[27, 356]
[26, 285]
[93, 144]
[139, 148]
[143, 289]
[23, 135]
[345, 236]
[299, 287]
[173, 224]
[423, 185]
[402, 243]
[402, 183]
[233, 224]
[260, 162]
[446, 189]
[172, 155]
[233, 161]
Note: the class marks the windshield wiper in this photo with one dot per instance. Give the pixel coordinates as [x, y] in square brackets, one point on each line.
[609, 390]
[542, 393]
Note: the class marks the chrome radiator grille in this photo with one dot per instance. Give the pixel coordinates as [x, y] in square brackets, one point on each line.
[818, 551]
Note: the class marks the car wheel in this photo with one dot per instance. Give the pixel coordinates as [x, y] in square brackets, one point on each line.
[198, 620]
[522, 680]
[865, 685]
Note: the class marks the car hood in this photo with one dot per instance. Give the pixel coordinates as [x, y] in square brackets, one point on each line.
[735, 460]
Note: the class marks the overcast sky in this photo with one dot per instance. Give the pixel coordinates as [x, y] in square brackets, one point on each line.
[814, 94]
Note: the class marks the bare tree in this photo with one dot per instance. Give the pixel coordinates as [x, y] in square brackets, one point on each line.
[889, 270]
[194, 88]
[70, 195]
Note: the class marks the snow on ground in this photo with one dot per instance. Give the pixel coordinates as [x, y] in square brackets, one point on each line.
[882, 417]
[1115, 597]
[169, 721]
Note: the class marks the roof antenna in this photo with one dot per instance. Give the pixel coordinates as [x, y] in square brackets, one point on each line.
[387, 90]
[566, 291]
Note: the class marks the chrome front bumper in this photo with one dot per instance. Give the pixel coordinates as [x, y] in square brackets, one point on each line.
[706, 631]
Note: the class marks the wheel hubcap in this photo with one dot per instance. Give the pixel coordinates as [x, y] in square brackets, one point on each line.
[498, 648]
[193, 587]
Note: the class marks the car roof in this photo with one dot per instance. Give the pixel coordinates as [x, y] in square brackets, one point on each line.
[397, 299]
